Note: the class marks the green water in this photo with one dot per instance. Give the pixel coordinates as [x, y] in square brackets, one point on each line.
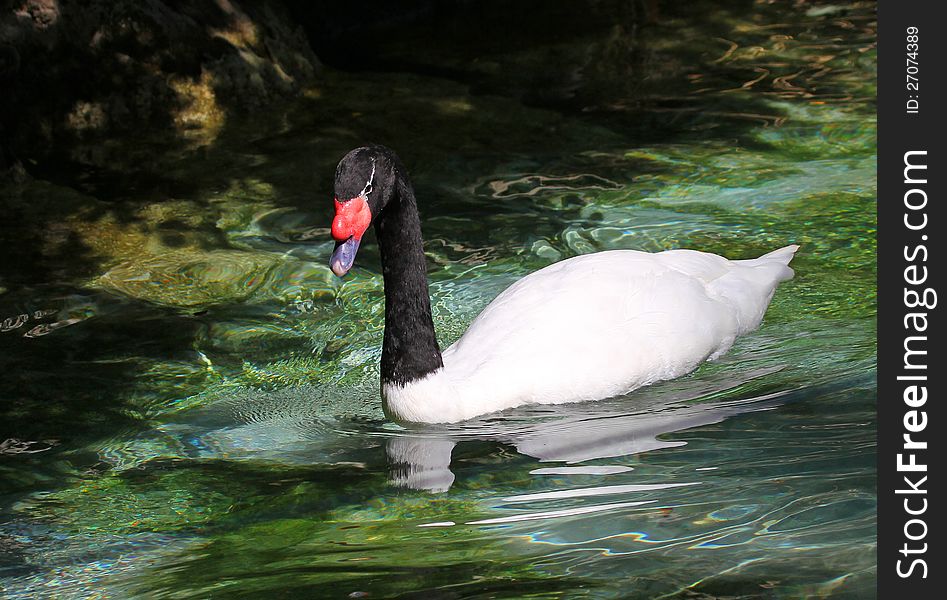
[189, 396]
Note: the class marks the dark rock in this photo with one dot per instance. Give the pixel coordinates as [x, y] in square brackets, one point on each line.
[76, 69]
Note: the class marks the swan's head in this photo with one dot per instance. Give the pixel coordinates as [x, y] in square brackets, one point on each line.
[364, 182]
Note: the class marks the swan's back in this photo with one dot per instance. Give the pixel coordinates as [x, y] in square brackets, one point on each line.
[602, 324]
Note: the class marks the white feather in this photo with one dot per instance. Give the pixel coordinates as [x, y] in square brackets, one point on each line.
[593, 327]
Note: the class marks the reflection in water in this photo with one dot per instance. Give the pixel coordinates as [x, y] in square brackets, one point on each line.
[37, 329]
[422, 461]
[531, 185]
[553, 514]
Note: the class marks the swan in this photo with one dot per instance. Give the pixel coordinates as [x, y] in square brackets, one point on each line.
[586, 328]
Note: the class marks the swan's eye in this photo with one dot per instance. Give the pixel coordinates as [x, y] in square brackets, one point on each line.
[368, 188]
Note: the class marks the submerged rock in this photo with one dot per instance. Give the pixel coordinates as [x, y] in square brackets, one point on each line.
[190, 278]
[193, 278]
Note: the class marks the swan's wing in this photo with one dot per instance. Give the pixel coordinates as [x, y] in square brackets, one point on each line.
[591, 327]
[604, 323]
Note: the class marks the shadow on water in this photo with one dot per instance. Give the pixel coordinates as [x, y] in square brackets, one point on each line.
[69, 377]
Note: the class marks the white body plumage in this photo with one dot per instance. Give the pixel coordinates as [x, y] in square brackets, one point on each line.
[592, 327]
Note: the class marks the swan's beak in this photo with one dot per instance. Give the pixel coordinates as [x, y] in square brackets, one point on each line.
[352, 218]
[344, 256]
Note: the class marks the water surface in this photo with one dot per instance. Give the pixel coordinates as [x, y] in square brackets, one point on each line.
[190, 397]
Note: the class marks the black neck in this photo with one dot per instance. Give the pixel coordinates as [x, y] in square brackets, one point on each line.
[410, 350]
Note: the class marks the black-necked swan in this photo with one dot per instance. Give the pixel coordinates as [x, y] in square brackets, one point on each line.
[586, 328]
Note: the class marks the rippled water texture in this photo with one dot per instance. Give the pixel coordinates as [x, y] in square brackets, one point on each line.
[190, 403]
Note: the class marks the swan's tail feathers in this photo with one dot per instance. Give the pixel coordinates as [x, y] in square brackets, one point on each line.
[784, 254]
[776, 262]
[749, 287]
